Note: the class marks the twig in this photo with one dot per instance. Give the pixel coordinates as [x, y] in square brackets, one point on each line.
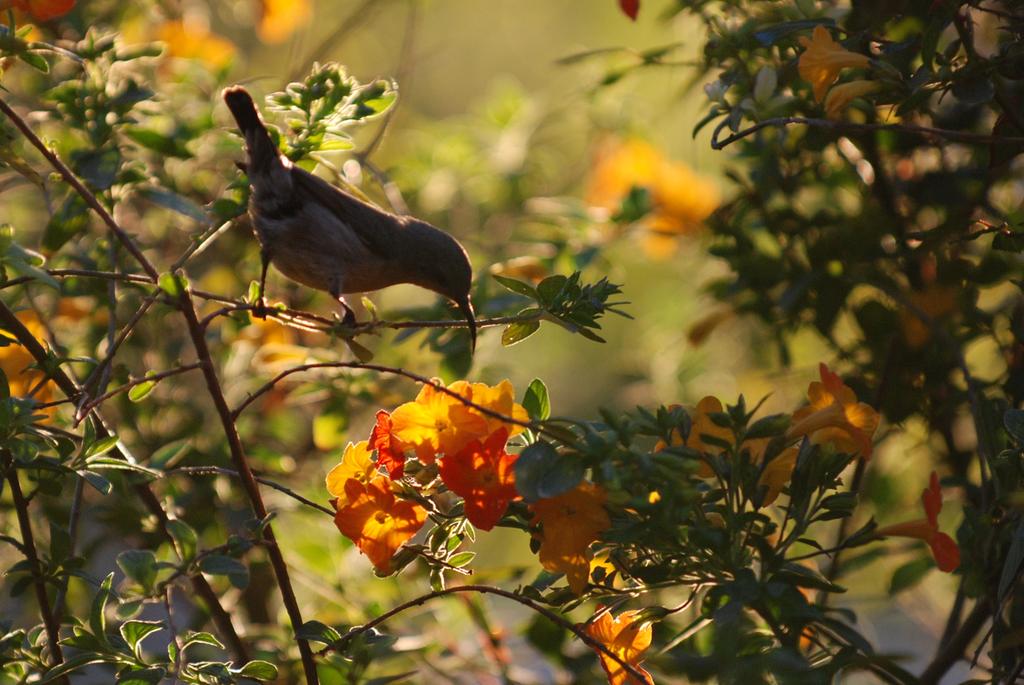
[221, 471]
[490, 590]
[89, 406]
[85, 193]
[67, 385]
[957, 645]
[29, 547]
[848, 127]
[381, 369]
[249, 483]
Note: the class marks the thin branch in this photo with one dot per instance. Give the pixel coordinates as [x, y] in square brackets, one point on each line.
[93, 404]
[848, 127]
[957, 645]
[249, 483]
[221, 471]
[555, 618]
[29, 548]
[381, 369]
[70, 388]
[85, 193]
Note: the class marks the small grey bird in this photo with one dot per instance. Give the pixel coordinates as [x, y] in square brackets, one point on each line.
[321, 236]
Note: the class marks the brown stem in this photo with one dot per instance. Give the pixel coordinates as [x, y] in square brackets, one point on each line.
[28, 546]
[220, 471]
[93, 404]
[252, 489]
[490, 590]
[954, 649]
[847, 127]
[85, 193]
[67, 385]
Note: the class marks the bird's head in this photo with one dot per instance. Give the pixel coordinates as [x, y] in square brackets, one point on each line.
[444, 267]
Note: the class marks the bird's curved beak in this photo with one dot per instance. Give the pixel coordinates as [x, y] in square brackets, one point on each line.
[466, 307]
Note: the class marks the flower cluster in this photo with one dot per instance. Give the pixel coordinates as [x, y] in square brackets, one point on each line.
[821, 63]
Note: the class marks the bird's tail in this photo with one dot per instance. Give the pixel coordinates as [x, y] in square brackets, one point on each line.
[263, 154]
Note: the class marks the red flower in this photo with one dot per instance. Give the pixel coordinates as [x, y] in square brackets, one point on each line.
[389, 452]
[630, 8]
[944, 548]
[481, 473]
[42, 10]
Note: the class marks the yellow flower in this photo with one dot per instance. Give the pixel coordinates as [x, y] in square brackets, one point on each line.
[281, 18]
[190, 40]
[570, 523]
[840, 97]
[681, 200]
[835, 416]
[376, 521]
[499, 398]
[356, 463]
[823, 59]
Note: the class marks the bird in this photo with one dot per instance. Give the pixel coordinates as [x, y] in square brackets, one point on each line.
[326, 238]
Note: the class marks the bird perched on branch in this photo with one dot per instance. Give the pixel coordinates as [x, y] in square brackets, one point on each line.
[319, 235]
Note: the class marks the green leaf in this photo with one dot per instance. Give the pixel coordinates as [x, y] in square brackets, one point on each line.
[221, 565]
[536, 400]
[101, 446]
[551, 287]
[315, 631]
[259, 670]
[518, 287]
[518, 332]
[98, 482]
[97, 614]
[200, 639]
[542, 473]
[172, 284]
[183, 537]
[176, 203]
[139, 565]
[35, 60]
[769, 35]
[134, 632]
[139, 392]
[71, 665]
[68, 222]
[168, 146]
[142, 676]
[910, 574]
[461, 559]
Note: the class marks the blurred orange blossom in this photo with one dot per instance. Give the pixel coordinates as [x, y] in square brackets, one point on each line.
[628, 639]
[377, 521]
[835, 416]
[571, 522]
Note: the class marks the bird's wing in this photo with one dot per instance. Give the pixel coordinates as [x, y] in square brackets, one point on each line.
[373, 226]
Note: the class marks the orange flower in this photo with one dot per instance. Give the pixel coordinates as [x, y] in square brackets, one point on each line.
[701, 428]
[438, 423]
[191, 40]
[936, 301]
[41, 10]
[356, 463]
[776, 474]
[389, 453]
[481, 474]
[628, 639]
[681, 200]
[15, 361]
[823, 59]
[835, 416]
[840, 97]
[570, 523]
[944, 548]
[281, 18]
[376, 521]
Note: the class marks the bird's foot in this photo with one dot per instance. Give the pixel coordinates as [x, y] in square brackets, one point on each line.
[349, 316]
[260, 309]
